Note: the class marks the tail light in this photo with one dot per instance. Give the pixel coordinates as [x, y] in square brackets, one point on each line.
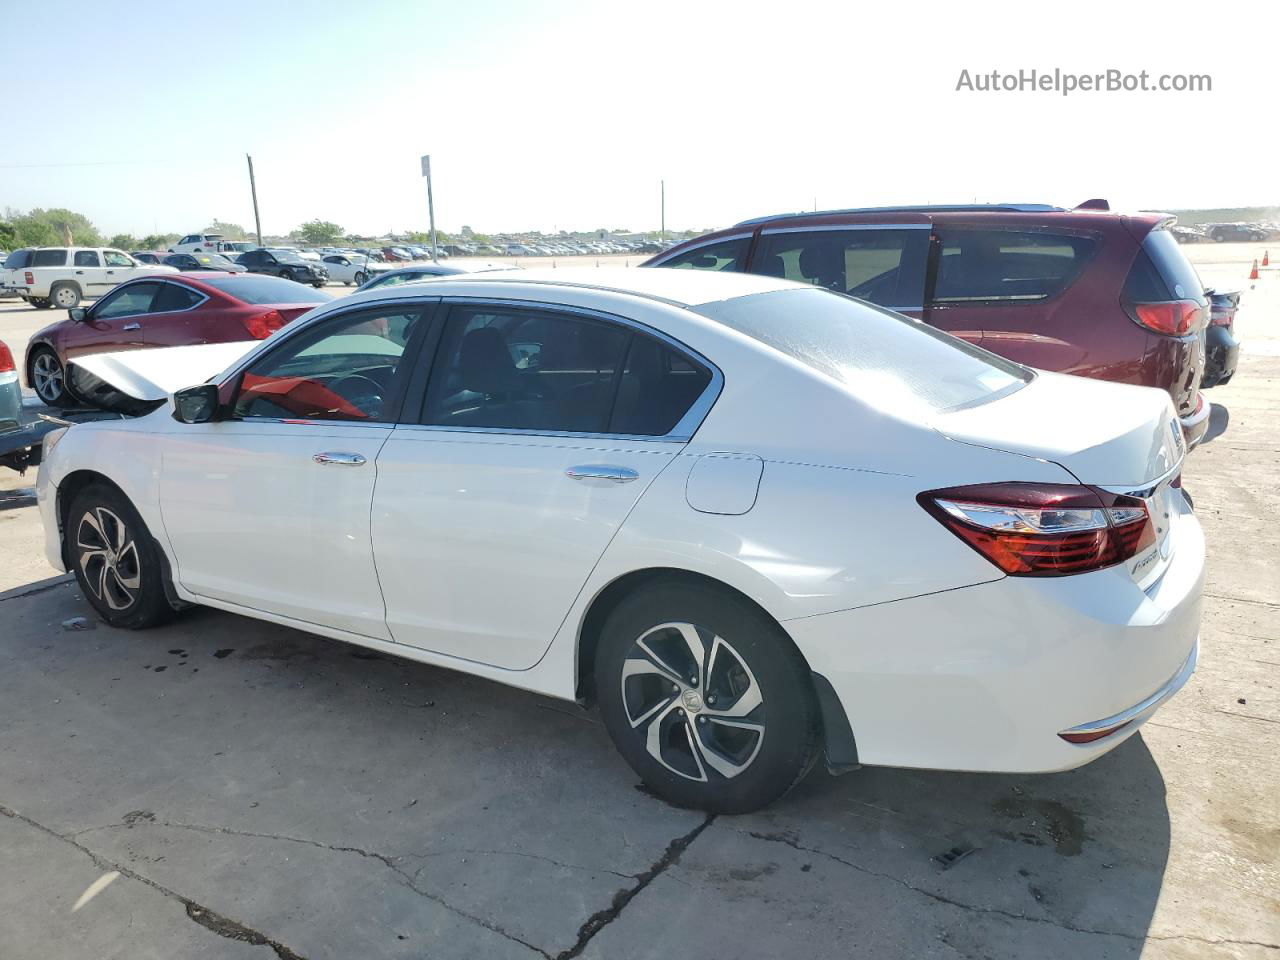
[1222, 318]
[1173, 318]
[264, 325]
[31, 280]
[1043, 530]
[6, 359]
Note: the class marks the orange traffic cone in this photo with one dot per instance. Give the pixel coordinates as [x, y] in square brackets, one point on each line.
[1266, 258]
[1253, 274]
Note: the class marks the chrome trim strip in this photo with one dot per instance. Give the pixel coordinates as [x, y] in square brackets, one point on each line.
[672, 437]
[1148, 489]
[1126, 717]
[832, 227]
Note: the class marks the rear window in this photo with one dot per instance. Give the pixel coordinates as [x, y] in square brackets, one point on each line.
[48, 258]
[1007, 265]
[255, 288]
[885, 266]
[18, 259]
[1161, 272]
[888, 361]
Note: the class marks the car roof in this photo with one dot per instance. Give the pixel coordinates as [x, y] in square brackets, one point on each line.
[684, 288]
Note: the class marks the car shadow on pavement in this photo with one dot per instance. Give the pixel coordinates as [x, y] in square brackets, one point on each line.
[1219, 418]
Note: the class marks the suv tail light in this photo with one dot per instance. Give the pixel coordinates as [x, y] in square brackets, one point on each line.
[6, 359]
[1174, 318]
[1043, 530]
[264, 325]
[31, 279]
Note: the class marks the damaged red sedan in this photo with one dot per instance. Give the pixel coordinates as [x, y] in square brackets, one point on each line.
[165, 311]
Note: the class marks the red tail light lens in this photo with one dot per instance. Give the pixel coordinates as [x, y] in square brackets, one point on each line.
[1043, 530]
[31, 280]
[264, 324]
[6, 359]
[1173, 318]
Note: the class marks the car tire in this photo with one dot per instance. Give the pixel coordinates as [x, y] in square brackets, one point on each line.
[757, 733]
[65, 295]
[40, 303]
[115, 559]
[359, 279]
[48, 377]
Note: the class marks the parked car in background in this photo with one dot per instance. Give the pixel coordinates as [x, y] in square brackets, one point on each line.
[1222, 349]
[1188, 234]
[517, 250]
[281, 262]
[347, 268]
[10, 390]
[62, 276]
[396, 255]
[174, 310]
[203, 261]
[149, 256]
[1086, 291]
[211, 243]
[1225, 232]
[424, 271]
[589, 494]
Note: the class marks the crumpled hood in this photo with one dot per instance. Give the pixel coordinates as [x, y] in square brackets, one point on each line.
[151, 375]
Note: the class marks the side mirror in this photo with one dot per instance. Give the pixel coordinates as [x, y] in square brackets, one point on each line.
[77, 314]
[198, 404]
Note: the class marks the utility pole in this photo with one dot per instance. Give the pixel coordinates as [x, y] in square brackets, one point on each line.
[431, 206]
[253, 189]
[662, 233]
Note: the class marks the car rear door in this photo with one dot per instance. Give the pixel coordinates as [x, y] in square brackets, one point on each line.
[171, 321]
[541, 428]
[882, 263]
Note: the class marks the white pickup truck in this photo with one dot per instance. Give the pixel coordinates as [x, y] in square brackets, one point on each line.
[63, 276]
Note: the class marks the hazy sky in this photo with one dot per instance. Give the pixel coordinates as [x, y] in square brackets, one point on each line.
[566, 115]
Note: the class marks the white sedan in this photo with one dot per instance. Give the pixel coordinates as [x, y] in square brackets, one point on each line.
[756, 522]
[348, 268]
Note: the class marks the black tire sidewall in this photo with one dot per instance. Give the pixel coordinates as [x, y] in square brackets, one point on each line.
[151, 606]
[792, 725]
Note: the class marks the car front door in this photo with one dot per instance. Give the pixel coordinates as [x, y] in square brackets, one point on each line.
[268, 509]
[539, 431]
[115, 322]
[118, 267]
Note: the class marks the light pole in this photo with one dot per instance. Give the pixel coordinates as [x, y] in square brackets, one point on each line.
[431, 206]
[253, 189]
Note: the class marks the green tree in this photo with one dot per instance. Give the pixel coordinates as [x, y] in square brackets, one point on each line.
[157, 241]
[43, 228]
[319, 232]
[123, 241]
[230, 231]
[8, 235]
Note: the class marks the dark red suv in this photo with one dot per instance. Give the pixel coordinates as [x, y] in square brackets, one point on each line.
[1083, 291]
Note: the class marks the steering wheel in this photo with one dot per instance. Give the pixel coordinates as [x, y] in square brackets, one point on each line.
[360, 391]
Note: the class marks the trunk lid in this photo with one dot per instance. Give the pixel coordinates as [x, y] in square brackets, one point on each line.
[1123, 439]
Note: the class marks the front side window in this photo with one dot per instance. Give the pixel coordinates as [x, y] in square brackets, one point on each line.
[87, 258]
[885, 266]
[982, 265]
[525, 370]
[347, 369]
[726, 255]
[48, 258]
[114, 258]
[126, 301]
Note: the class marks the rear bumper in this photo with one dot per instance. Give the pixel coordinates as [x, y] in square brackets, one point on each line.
[988, 677]
[1195, 425]
[1222, 353]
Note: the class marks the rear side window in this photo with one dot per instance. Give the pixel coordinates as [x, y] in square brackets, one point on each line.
[1161, 272]
[87, 258]
[657, 388]
[1007, 265]
[726, 255]
[888, 361]
[885, 266]
[48, 258]
[173, 296]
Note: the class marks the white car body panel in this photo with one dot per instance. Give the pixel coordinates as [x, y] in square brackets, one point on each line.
[474, 550]
[154, 374]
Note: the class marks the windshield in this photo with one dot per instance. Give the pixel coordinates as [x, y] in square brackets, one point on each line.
[257, 288]
[289, 255]
[887, 360]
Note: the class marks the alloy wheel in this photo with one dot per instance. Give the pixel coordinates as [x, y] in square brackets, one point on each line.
[694, 700]
[108, 558]
[47, 377]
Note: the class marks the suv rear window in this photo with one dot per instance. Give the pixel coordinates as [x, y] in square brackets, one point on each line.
[885, 266]
[979, 265]
[887, 360]
[48, 258]
[1162, 272]
[18, 259]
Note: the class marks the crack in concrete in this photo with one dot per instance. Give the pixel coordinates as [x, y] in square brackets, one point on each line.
[211, 920]
[517, 853]
[790, 841]
[61, 582]
[602, 918]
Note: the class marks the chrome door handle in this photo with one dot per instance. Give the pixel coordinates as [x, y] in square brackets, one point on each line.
[132, 326]
[339, 459]
[601, 471]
